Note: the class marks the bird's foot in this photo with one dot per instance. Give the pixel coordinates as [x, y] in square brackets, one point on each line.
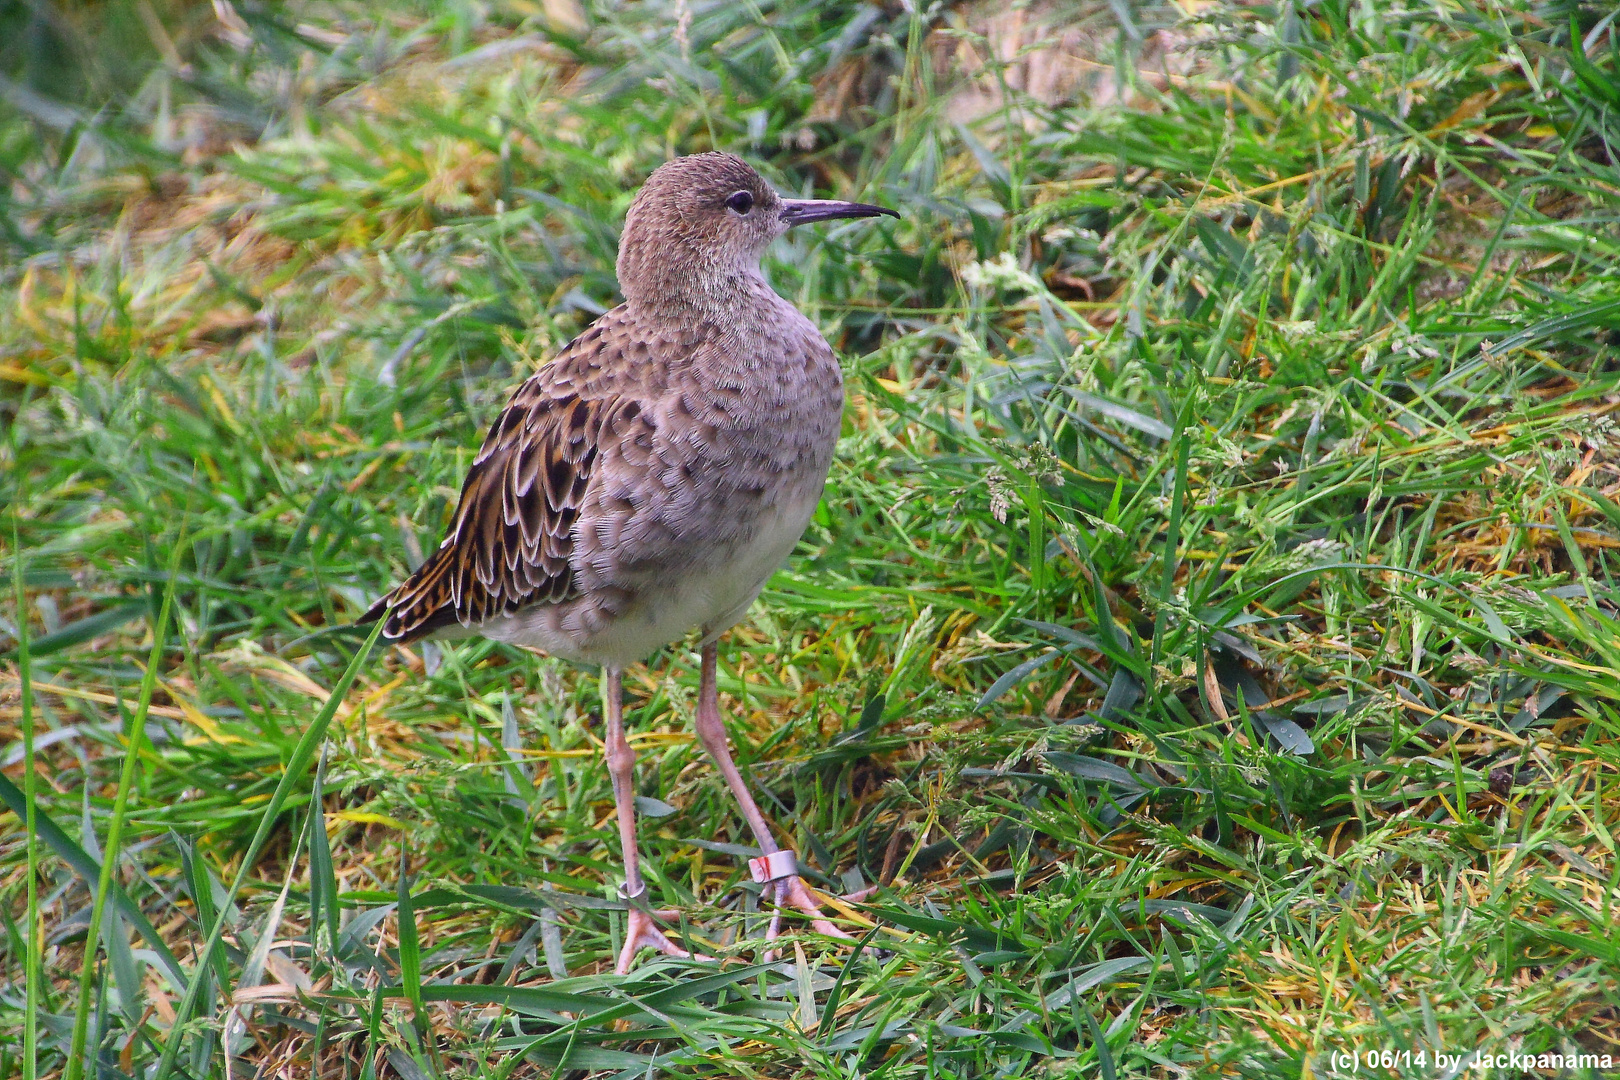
[641, 933]
[779, 873]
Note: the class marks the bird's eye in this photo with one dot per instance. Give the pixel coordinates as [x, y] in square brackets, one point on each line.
[742, 202]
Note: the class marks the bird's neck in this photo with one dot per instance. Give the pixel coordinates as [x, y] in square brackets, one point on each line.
[736, 301]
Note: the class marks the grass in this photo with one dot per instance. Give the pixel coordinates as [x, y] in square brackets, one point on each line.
[1208, 638]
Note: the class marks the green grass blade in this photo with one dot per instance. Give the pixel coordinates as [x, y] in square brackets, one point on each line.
[33, 962]
[89, 871]
[324, 911]
[410, 949]
[115, 831]
[303, 754]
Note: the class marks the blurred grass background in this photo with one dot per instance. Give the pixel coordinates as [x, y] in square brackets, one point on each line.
[1208, 637]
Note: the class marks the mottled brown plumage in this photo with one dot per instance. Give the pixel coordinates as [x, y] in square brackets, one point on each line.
[643, 483]
[512, 539]
[650, 478]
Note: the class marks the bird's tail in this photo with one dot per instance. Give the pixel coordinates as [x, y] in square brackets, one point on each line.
[419, 605]
[413, 610]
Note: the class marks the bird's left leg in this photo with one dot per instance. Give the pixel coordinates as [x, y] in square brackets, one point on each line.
[777, 869]
[639, 930]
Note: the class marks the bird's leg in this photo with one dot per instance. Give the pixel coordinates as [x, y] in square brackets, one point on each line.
[639, 930]
[777, 869]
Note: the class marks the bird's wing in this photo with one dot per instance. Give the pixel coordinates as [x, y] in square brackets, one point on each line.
[511, 542]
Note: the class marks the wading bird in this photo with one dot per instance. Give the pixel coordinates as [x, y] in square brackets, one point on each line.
[647, 481]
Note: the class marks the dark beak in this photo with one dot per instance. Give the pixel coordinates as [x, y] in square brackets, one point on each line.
[804, 211]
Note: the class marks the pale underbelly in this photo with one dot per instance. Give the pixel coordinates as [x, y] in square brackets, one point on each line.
[709, 594]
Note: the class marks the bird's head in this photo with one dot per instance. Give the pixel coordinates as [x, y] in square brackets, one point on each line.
[701, 223]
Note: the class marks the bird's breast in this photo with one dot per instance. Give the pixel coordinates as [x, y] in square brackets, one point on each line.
[766, 403]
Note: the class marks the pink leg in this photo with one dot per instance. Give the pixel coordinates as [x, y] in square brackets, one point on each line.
[711, 730]
[639, 931]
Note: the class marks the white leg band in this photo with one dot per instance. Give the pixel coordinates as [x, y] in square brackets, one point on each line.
[774, 867]
[630, 898]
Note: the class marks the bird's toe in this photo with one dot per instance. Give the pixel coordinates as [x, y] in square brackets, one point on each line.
[641, 933]
[793, 892]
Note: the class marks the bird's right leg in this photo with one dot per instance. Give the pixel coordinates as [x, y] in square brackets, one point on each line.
[639, 930]
[777, 868]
